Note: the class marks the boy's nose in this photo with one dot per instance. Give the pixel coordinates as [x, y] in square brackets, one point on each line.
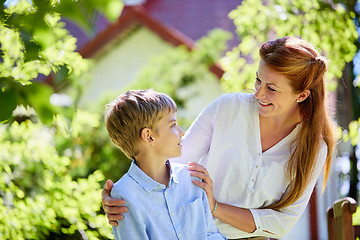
[181, 131]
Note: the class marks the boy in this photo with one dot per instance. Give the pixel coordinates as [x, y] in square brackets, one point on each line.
[164, 202]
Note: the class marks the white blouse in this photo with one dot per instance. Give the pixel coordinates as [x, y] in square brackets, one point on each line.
[225, 138]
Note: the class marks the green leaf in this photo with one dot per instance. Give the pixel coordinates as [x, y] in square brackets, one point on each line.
[2, 13]
[111, 9]
[61, 74]
[79, 12]
[38, 96]
[7, 104]
[32, 49]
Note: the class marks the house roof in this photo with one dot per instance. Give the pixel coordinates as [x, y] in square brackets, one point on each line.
[177, 22]
[194, 18]
[133, 15]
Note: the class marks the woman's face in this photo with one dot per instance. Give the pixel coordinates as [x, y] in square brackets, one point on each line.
[276, 96]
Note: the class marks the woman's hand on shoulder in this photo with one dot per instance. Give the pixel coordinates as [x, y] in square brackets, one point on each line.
[197, 170]
[112, 206]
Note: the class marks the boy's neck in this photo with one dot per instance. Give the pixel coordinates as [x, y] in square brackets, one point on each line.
[154, 168]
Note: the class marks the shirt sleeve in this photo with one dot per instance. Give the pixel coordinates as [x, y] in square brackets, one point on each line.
[275, 224]
[197, 139]
[132, 226]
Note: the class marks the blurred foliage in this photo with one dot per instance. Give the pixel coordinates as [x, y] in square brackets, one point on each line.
[178, 70]
[85, 141]
[329, 25]
[356, 217]
[39, 198]
[50, 182]
[352, 134]
[34, 41]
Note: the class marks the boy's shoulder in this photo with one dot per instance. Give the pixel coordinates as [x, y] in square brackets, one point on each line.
[123, 186]
[182, 173]
[180, 170]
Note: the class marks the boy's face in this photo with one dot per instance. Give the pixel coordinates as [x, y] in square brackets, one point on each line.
[168, 136]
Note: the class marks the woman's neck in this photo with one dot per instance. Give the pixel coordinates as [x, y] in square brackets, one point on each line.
[273, 130]
[282, 123]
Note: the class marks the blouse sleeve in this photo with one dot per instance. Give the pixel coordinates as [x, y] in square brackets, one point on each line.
[275, 224]
[197, 139]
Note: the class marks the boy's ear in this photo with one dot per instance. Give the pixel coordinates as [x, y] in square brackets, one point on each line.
[146, 135]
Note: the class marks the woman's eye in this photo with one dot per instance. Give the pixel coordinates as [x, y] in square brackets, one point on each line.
[258, 81]
[271, 89]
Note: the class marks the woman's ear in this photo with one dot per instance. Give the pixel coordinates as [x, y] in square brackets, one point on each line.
[146, 135]
[303, 95]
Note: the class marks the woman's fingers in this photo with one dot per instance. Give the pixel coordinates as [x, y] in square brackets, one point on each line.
[203, 185]
[110, 202]
[106, 198]
[112, 206]
[105, 194]
[108, 185]
[197, 167]
[205, 177]
[208, 190]
[113, 223]
[115, 210]
[114, 218]
[199, 171]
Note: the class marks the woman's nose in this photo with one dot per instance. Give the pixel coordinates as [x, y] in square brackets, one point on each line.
[259, 92]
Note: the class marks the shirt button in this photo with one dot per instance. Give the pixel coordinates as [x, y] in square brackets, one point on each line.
[252, 180]
[172, 214]
[180, 234]
[257, 166]
[259, 154]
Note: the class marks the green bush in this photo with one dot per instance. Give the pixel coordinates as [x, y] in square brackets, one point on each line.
[39, 198]
[85, 141]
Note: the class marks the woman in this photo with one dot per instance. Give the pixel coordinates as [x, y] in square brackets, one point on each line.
[263, 152]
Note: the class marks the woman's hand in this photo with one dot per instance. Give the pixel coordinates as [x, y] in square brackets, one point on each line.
[199, 171]
[111, 205]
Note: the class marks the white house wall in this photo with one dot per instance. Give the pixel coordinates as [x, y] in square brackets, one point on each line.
[120, 64]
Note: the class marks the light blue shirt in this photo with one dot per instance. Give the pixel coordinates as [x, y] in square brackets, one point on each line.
[179, 211]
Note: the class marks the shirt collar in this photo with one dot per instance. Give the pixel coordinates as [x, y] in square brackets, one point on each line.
[146, 182]
[173, 175]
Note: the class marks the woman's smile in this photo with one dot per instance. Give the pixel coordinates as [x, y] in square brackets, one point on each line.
[264, 104]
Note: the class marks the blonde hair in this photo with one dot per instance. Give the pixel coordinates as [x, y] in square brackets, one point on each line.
[299, 62]
[132, 111]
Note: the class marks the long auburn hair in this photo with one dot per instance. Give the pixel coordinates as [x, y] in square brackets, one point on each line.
[299, 62]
